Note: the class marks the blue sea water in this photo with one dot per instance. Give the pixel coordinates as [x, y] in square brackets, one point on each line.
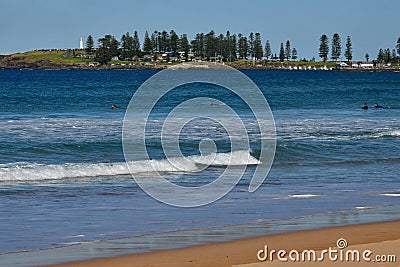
[63, 178]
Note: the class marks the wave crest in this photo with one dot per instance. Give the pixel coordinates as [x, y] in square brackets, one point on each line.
[38, 172]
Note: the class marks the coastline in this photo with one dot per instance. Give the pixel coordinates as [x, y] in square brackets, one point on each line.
[382, 237]
[50, 60]
[164, 67]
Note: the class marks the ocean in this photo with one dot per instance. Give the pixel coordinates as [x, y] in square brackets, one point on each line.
[64, 180]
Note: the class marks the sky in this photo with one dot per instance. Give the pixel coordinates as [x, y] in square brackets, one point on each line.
[49, 24]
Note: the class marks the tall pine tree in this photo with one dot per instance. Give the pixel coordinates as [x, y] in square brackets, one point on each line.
[398, 46]
[127, 50]
[136, 44]
[154, 41]
[210, 45]
[288, 51]
[324, 48]
[294, 53]
[242, 46]
[251, 45]
[282, 53]
[174, 42]
[381, 55]
[258, 49]
[233, 48]
[268, 51]
[336, 47]
[163, 38]
[147, 44]
[89, 44]
[185, 46]
[349, 51]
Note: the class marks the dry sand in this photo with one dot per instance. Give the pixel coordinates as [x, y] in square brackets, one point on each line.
[381, 238]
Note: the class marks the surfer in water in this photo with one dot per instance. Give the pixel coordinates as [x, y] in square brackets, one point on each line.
[114, 106]
[365, 106]
[379, 106]
[212, 104]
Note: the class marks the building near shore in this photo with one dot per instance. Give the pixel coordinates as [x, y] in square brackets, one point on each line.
[355, 65]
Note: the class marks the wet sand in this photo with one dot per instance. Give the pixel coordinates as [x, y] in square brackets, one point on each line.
[380, 238]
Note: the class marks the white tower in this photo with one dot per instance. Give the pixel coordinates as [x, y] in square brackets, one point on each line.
[81, 44]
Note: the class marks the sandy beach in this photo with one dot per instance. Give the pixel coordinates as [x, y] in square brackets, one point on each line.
[370, 240]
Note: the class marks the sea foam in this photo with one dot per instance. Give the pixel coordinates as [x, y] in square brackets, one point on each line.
[37, 172]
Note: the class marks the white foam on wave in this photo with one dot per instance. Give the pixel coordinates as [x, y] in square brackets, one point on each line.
[304, 196]
[395, 133]
[37, 172]
[331, 129]
[239, 157]
[390, 195]
[363, 208]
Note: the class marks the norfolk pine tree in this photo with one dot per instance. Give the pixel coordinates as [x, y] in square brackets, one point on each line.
[282, 53]
[185, 46]
[323, 48]
[381, 55]
[136, 44]
[233, 48]
[127, 46]
[287, 50]
[258, 49]
[174, 42]
[349, 51]
[336, 47]
[251, 45]
[147, 44]
[89, 44]
[268, 51]
[294, 53]
[398, 46]
[242, 46]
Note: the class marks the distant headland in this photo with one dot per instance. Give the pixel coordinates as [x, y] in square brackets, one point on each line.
[163, 50]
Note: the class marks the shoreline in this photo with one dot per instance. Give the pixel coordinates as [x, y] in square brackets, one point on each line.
[377, 237]
[180, 239]
[46, 62]
[166, 67]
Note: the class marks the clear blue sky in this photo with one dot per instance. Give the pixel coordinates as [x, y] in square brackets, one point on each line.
[35, 24]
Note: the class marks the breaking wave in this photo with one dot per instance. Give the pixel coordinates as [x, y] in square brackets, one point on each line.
[36, 172]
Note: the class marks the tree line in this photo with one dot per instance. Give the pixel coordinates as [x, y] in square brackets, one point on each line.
[209, 46]
[336, 48]
[384, 55]
[389, 56]
[223, 47]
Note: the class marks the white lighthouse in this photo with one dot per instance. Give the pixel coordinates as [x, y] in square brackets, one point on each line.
[81, 43]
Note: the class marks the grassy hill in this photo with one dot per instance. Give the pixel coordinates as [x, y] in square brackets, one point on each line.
[45, 59]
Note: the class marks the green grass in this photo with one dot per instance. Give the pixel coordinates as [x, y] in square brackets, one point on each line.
[55, 57]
